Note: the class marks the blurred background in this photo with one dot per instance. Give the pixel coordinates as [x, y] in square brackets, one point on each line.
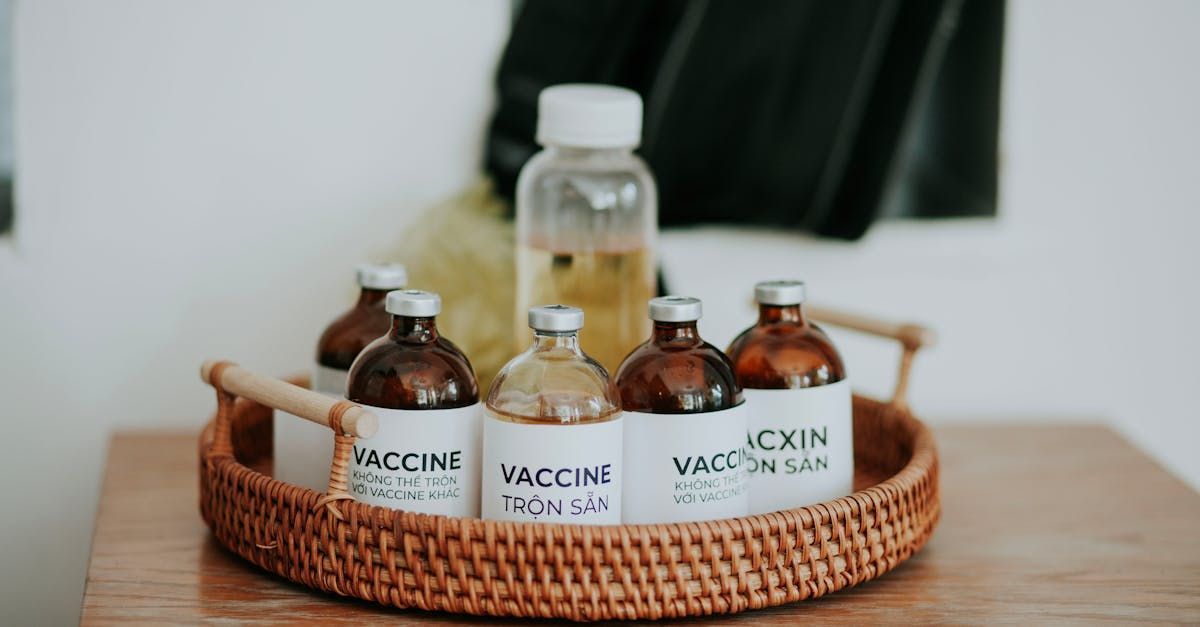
[190, 180]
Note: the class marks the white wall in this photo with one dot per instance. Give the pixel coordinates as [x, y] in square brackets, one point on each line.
[1081, 302]
[190, 175]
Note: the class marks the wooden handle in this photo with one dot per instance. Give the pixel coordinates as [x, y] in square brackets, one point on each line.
[323, 410]
[912, 337]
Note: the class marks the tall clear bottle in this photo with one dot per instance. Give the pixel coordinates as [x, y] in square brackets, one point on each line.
[302, 449]
[801, 432]
[425, 457]
[587, 217]
[685, 423]
[552, 431]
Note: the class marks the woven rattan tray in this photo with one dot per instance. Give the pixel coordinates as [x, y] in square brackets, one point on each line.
[331, 543]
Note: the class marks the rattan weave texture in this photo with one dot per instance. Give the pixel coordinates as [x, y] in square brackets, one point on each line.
[575, 572]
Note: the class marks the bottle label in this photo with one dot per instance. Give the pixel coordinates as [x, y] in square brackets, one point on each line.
[685, 467]
[552, 473]
[800, 446]
[304, 450]
[420, 461]
[330, 381]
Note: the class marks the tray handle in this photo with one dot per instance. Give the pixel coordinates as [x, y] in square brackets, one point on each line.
[912, 337]
[347, 420]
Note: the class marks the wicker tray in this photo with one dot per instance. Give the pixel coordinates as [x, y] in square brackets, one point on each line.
[331, 543]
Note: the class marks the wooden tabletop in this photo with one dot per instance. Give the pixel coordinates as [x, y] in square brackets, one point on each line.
[1039, 523]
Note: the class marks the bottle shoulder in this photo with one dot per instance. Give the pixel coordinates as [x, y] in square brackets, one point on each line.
[556, 386]
[785, 355]
[400, 375]
[682, 379]
[350, 333]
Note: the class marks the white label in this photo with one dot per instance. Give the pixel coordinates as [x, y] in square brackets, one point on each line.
[330, 381]
[552, 473]
[800, 445]
[685, 467]
[304, 450]
[421, 461]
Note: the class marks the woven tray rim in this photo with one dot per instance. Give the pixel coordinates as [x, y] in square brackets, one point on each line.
[801, 553]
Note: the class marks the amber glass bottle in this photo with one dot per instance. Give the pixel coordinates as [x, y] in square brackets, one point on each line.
[347, 335]
[800, 439]
[685, 423]
[425, 457]
[552, 431]
[303, 450]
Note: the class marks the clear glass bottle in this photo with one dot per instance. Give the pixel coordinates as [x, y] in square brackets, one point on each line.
[302, 449]
[552, 431]
[801, 431]
[685, 423]
[426, 454]
[587, 217]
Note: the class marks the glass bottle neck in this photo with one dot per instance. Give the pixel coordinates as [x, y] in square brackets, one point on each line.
[675, 332]
[545, 340]
[371, 296]
[794, 314]
[413, 330]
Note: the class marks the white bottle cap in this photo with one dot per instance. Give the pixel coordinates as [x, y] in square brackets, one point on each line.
[382, 276]
[675, 309]
[414, 303]
[555, 318]
[780, 293]
[589, 116]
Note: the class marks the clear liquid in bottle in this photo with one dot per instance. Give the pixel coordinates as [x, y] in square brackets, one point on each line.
[552, 431]
[586, 218]
[612, 286]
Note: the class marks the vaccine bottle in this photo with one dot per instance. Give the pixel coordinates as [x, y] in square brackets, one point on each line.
[685, 423]
[552, 431]
[587, 217]
[426, 455]
[350, 332]
[303, 450]
[800, 441]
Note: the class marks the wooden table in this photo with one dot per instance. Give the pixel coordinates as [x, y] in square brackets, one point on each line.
[1039, 524]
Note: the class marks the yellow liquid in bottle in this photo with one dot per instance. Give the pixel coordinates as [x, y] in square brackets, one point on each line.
[611, 286]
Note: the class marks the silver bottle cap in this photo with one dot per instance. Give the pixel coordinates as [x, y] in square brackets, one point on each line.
[779, 293]
[675, 309]
[414, 303]
[382, 276]
[555, 318]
